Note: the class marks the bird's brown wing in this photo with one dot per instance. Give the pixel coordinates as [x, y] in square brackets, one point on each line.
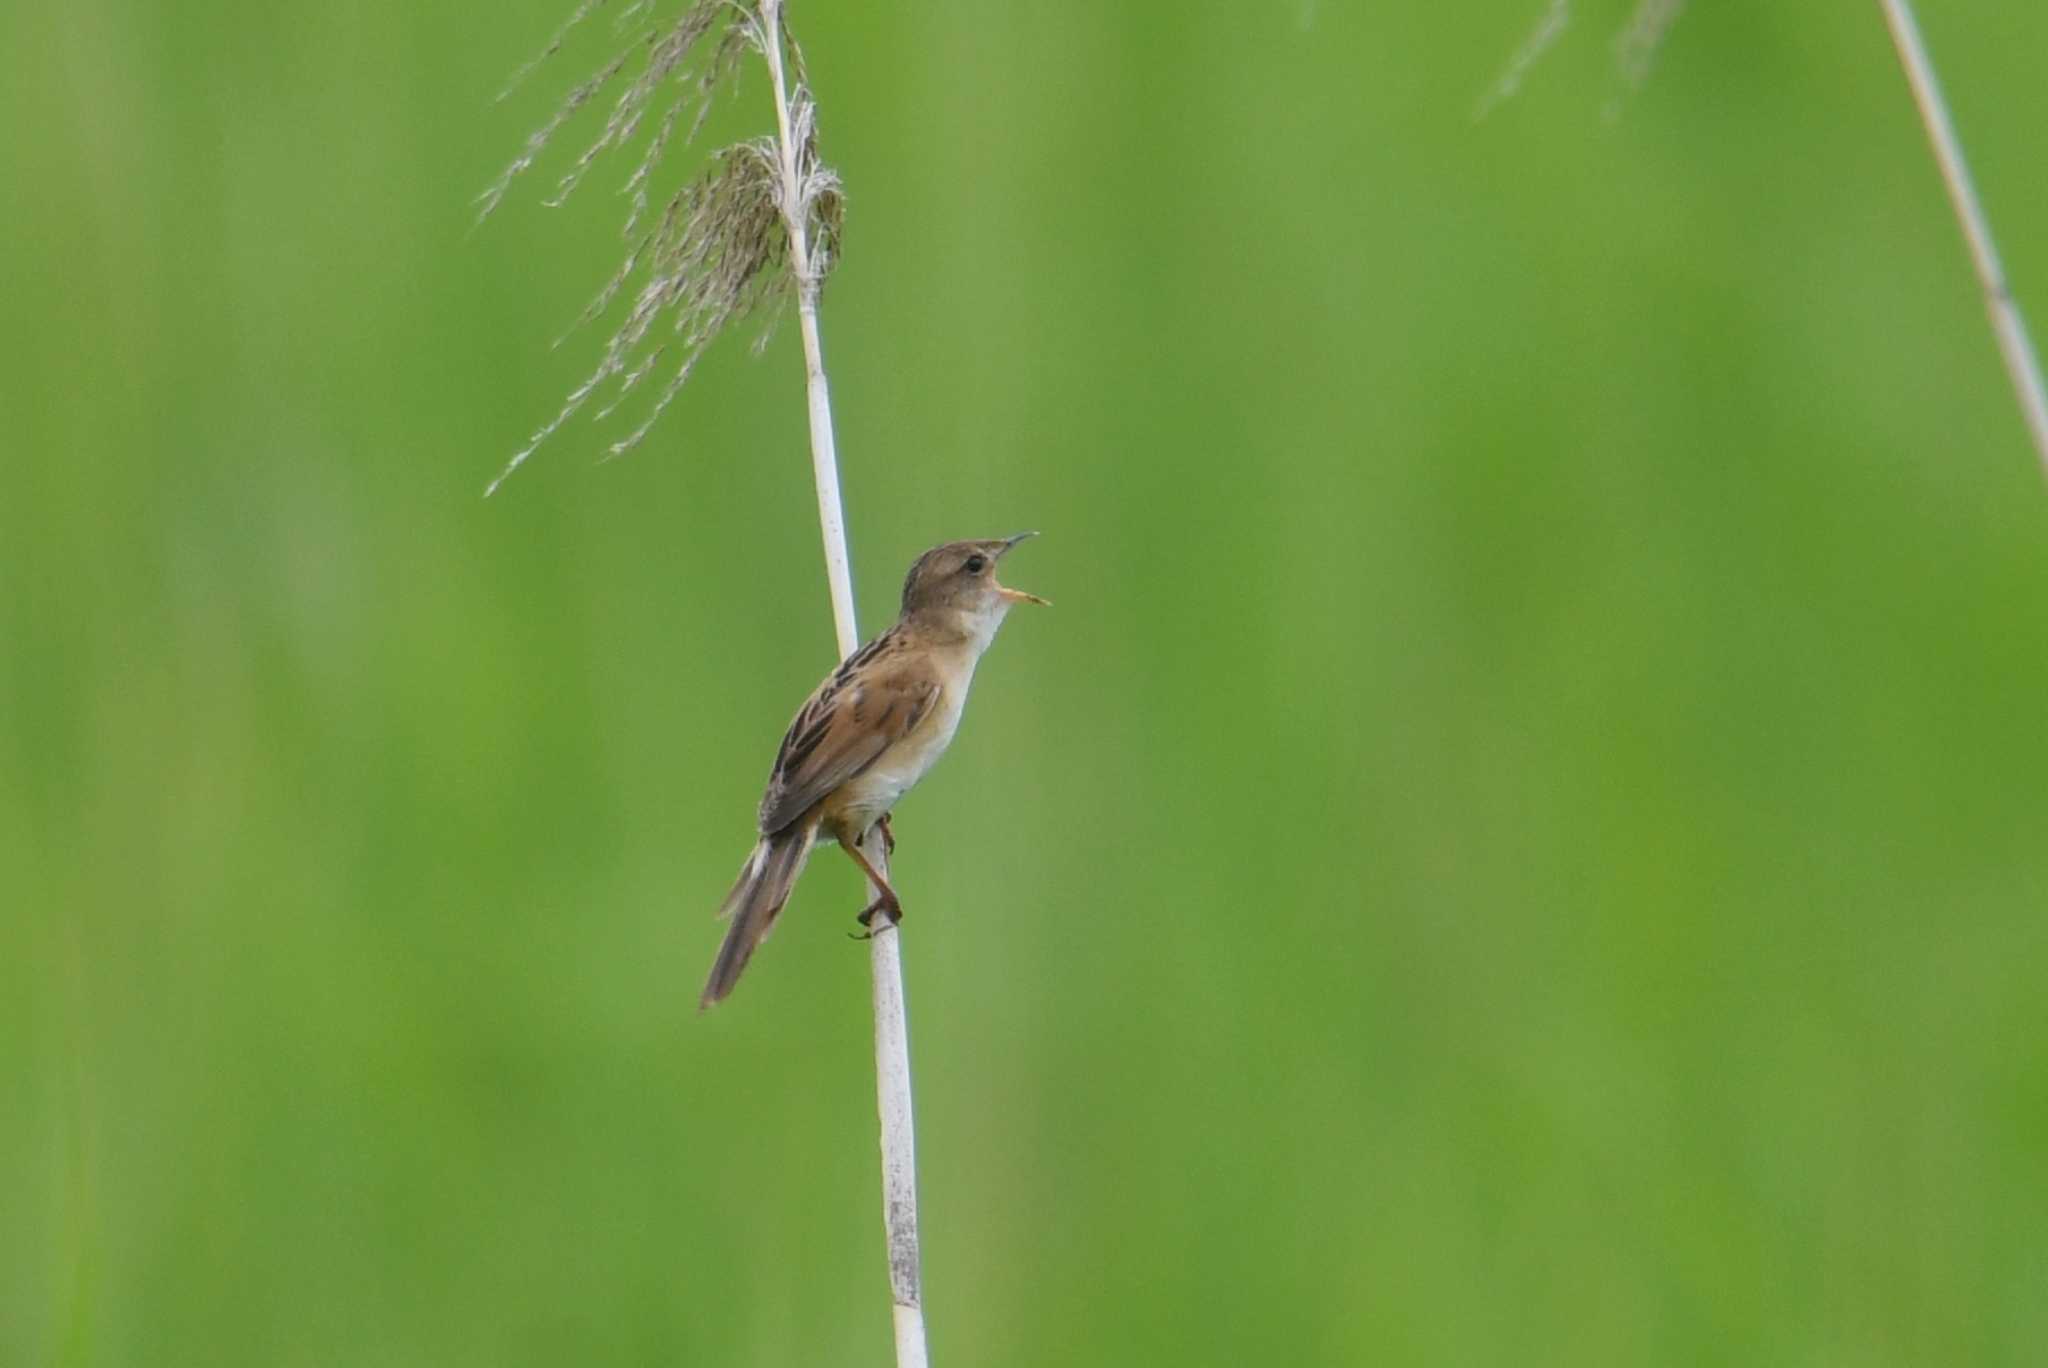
[871, 702]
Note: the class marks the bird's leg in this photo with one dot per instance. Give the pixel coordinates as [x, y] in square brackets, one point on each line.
[888, 836]
[887, 902]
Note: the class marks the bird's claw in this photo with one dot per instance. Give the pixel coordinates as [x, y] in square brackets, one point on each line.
[866, 917]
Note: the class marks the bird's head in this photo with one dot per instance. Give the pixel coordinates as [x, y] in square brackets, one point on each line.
[954, 586]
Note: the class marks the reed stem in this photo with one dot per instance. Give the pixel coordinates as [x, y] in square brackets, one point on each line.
[2014, 343]
[892, 1035]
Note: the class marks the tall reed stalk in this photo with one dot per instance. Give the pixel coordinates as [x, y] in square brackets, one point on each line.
[2015, 345]
[759, 226]
[892, 1031]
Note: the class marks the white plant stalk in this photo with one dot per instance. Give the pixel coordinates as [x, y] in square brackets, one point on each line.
[762, 217]
[2014, 343]
[892, 1034]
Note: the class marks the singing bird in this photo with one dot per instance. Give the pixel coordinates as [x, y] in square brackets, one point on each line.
[865, 736]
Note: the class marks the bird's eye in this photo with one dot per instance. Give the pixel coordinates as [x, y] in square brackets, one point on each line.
[976, 564]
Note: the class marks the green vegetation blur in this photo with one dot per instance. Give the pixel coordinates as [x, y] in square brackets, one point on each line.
[1523, 840]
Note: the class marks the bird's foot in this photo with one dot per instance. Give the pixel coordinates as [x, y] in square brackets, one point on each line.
[888, 839]
[884, 906]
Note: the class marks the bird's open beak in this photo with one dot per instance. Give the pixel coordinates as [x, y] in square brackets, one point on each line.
[1017, 595]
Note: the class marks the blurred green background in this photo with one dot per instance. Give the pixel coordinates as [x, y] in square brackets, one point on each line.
[1522, 840]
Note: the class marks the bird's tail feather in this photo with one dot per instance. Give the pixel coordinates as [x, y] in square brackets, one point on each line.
[755, 901]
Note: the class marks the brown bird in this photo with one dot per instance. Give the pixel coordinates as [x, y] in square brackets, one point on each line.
[865, 736]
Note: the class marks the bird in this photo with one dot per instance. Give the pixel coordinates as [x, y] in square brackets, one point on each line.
[873, 728]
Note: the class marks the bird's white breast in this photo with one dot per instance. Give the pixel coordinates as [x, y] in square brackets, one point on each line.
[875, 791]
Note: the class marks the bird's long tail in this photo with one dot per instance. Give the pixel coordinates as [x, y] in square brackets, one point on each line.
[755, 901]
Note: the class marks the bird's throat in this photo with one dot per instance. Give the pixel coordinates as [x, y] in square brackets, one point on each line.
[956, 628]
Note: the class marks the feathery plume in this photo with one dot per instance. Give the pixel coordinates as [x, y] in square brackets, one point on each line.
[716, 251]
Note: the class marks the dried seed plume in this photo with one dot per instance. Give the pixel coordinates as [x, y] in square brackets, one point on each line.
[1548, 30]
[1636, 46]
[716, 250]
[1635, 49]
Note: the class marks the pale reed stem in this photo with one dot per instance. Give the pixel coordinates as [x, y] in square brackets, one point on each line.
[2006, 324]
[892, 1036]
